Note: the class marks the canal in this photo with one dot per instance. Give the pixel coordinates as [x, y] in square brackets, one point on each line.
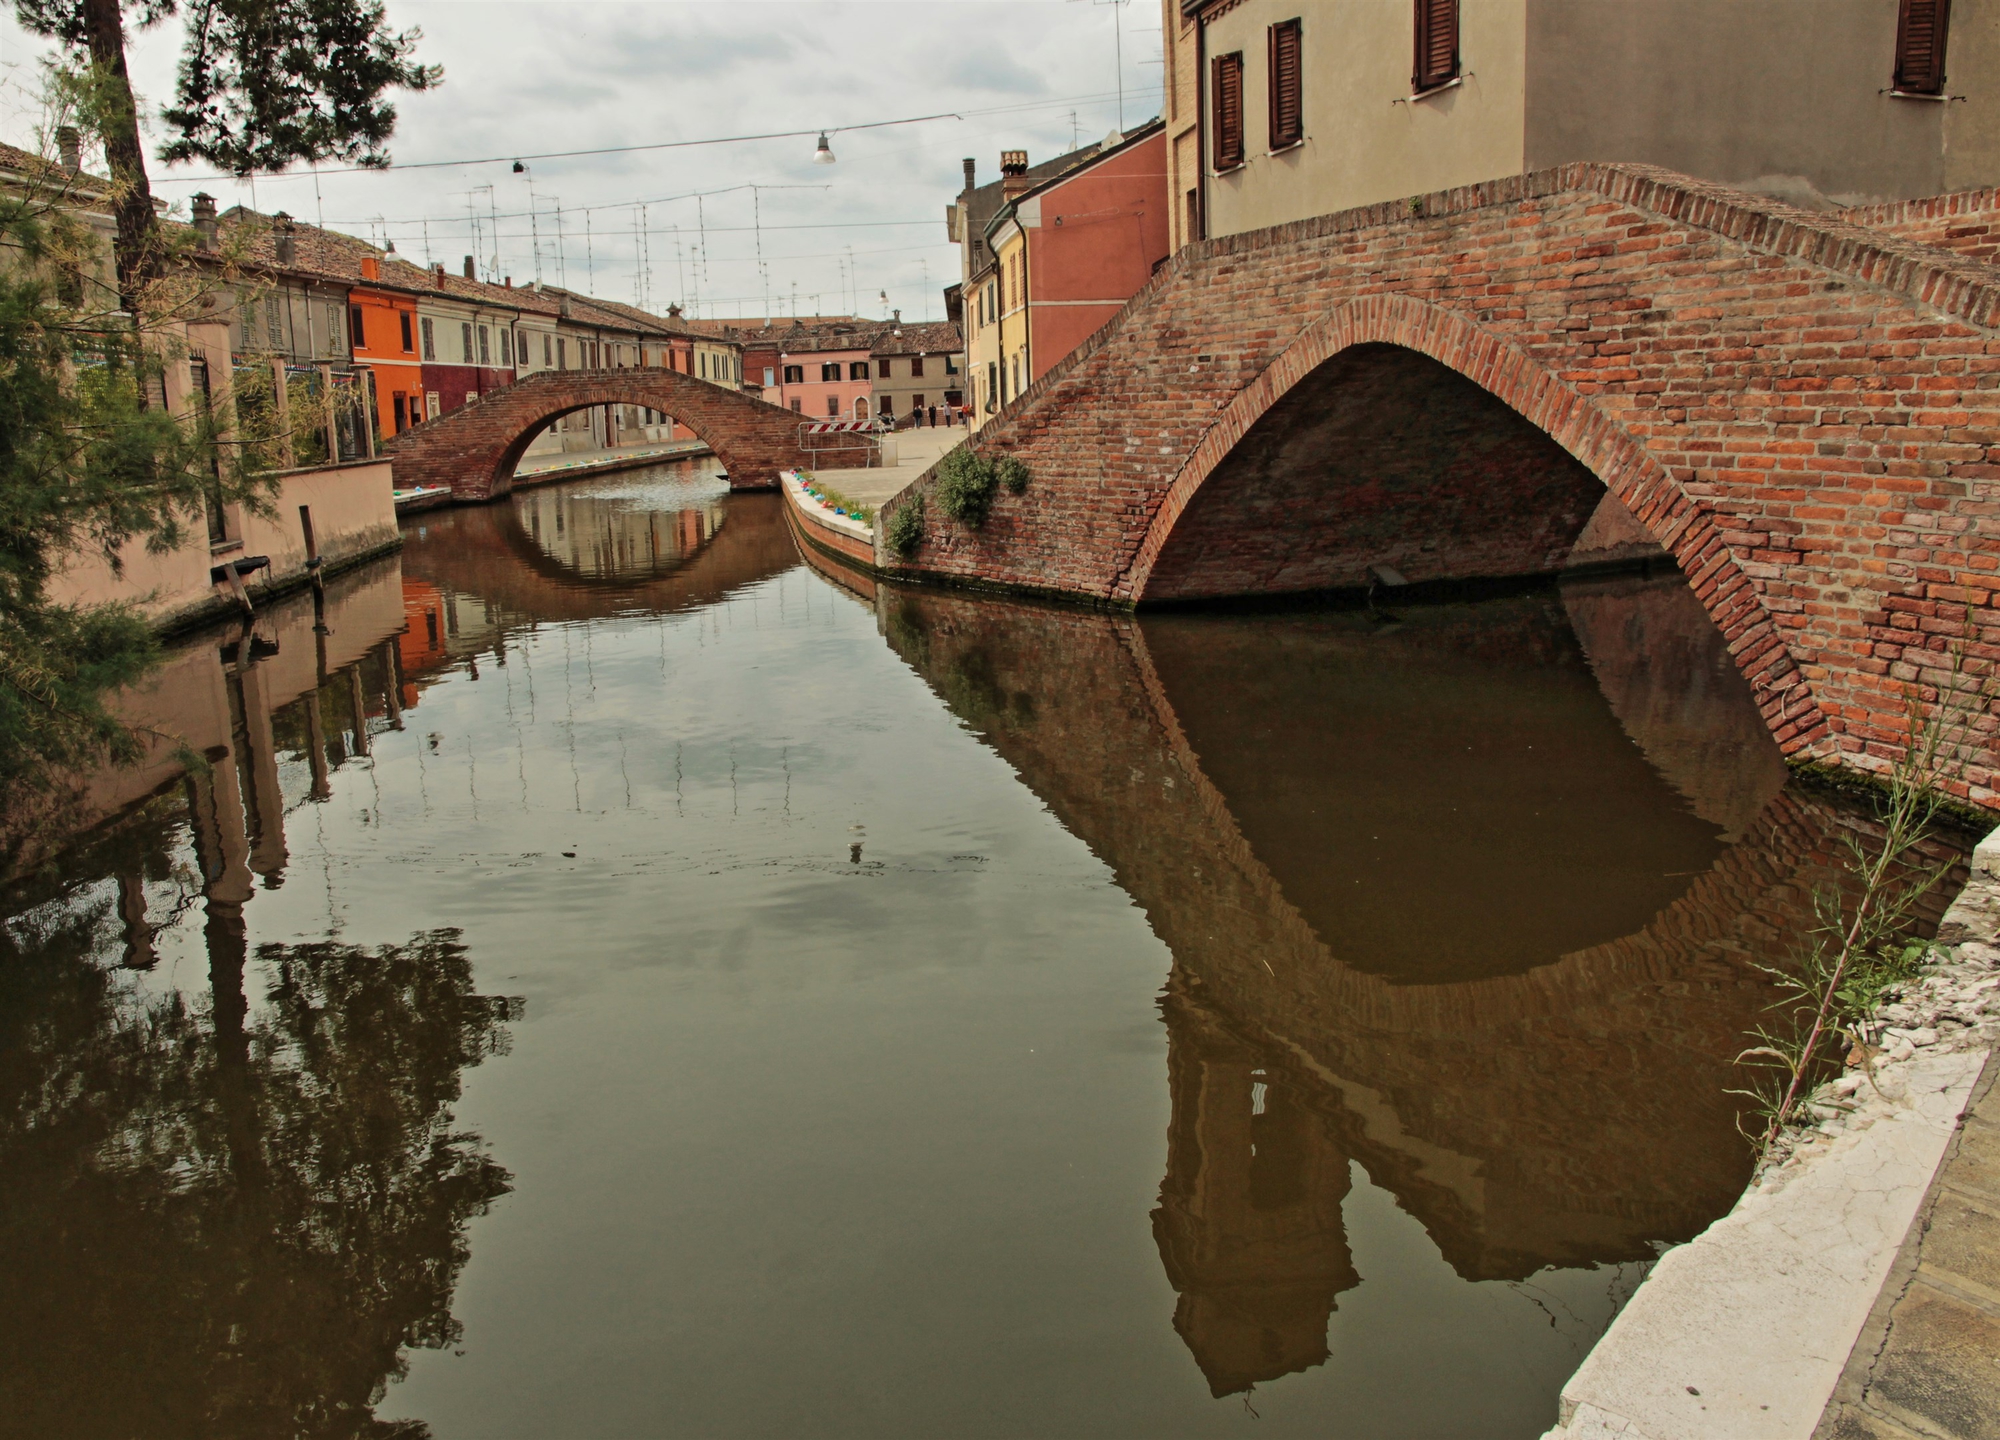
[604, 977]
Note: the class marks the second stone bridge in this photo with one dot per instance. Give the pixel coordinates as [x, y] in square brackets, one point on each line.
[1800, 408]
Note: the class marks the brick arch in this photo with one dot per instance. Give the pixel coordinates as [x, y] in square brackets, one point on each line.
[474, 449]
[1598, 442]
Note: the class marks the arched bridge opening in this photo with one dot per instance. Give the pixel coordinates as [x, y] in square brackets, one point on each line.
[1380, 466]
[474, 449]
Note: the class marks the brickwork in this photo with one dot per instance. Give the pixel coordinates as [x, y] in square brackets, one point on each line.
[474, 449]
[1802, 410]
[1965, 222]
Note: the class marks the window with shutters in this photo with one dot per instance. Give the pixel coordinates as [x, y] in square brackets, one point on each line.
[795, 374]
[829, 370]
[857, 370]
[1227, 87]
[1921, 29]
[506, 346]
[430, 338]
[1437, 45]
[465, 342]
[1288, 116]
[274, 321]
[916, 366]
[485, 346]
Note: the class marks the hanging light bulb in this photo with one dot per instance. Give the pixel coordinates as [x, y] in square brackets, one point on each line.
[823, 155]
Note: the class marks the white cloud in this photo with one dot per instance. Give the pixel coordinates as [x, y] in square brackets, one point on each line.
[525, 78]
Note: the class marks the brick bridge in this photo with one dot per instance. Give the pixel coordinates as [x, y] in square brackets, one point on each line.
[1800, 408]
[474, 448]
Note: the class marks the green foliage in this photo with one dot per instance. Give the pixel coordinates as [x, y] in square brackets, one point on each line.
[86, 463]
[906, 528]
[1012, 472]
[265, 83]
[965, 485]
[864, 513]
[1864, 943]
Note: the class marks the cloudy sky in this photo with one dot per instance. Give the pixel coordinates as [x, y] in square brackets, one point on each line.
[534, 78]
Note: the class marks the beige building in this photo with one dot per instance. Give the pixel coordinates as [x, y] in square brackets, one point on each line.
[1280, 109]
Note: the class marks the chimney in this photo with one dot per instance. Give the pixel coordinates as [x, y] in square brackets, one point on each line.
[371, 268]
[508, 282]
[69, 146]
[470, 273]
[897, 317]
[204, 220]
[286, 239]
[970, 168]
[390, 246]
[1013, 172]
[674, 311]
[437, 275]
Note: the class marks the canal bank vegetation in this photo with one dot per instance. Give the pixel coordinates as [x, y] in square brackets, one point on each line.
[1865, 947]
[95, 453]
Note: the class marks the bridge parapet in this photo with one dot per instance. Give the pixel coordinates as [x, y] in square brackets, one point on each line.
[1802, 409]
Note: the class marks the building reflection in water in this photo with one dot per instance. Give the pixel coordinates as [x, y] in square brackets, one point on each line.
[219, 1219]
[1413, 926]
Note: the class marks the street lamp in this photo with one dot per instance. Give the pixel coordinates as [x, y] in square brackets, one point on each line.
[823, 155]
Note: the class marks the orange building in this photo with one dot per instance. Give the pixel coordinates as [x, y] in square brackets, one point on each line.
[382, 328]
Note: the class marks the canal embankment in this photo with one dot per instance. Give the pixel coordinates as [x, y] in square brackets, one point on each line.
[1854, 1291]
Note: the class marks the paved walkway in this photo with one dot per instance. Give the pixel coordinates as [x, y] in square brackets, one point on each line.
[1927, 1363]
[916, 452]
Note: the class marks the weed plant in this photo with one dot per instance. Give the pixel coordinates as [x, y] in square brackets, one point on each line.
[1863, 945]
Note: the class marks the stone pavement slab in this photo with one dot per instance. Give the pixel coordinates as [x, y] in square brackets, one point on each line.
[916, 452]
[1927, 1363]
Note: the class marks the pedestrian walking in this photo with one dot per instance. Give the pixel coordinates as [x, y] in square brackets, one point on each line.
[933, 417]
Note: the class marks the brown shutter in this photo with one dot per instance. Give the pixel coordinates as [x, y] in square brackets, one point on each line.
[1921, 28]
[1288, 119]
[1228, 89]
[1437, 44]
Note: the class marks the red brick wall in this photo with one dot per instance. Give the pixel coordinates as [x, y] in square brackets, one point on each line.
[474, 449]
[1798, 408]
[1966, 222]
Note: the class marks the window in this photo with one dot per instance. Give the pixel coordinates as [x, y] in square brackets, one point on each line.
[1194, 214]
[794, 374]
[545, 351]
[770, 376]
[333, 328]
[485, 353]
[465, 341]
[992, 385]
[829, 370]
[951, 364]
[857, 370]
[506, 346]
[402, 407]
[1288, 117]
[357, 331]
[430, 338]
[861, 407]
[1921, 29]
[431, 404]
[1437, 44]
[562, 354]
[917, 402]
[409, 340]
[833, 406]
[798, 405]
[916, 366]
[1226, 145]
[274, 321]
[702, 361]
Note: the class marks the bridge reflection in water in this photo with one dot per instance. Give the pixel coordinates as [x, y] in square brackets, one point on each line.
[1412, 928]
[1410, 932]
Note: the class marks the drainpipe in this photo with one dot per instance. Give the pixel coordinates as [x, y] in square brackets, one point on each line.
[1200, 130]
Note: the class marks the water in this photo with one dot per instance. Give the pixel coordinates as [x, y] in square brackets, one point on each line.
[704, 998]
